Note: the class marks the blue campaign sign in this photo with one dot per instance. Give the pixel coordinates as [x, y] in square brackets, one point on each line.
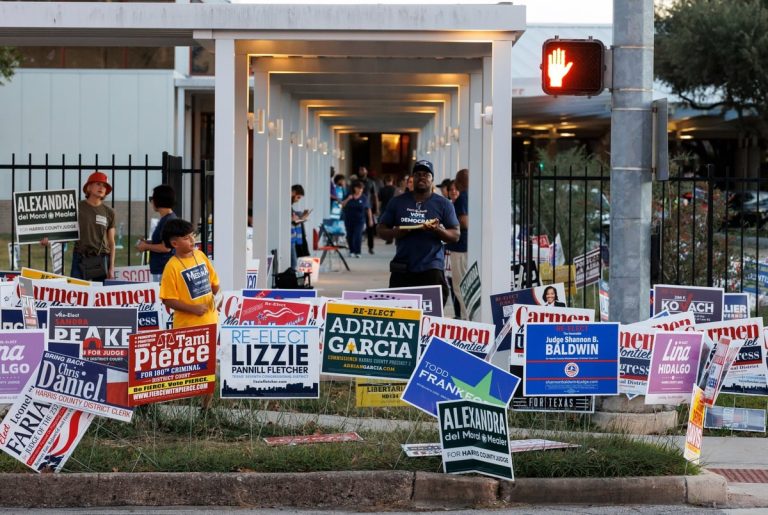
[448, 373]
[571, 359]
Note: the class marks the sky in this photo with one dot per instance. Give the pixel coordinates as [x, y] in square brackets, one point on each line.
[539, 11]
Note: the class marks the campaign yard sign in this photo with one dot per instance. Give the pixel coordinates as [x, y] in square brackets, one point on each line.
[171, 364]
[377, 393]
[735, 419]
[48, 214]
[523, 314]
[694, 435]
[748, 374]
[470, 290]
[473, 337]
[705, 303]
[561, 404]
[83, 385]
[502, 305]
[370, 341]
[13, 318]
[674, 367]
[735, 306]
[475, 438]
[258, 311]
[100, 335]
[431, 297]
[571, 359]
[133, 274]
[270, 362]
[587, 268]
[446, 372]
[40, 434]
[382, 296]
[635, 348]
[20, 353]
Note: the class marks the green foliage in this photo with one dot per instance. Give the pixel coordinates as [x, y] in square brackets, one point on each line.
[574, 209]
[10, 58]
[715, 47]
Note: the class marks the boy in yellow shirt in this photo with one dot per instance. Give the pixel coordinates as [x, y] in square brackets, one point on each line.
[189, 281]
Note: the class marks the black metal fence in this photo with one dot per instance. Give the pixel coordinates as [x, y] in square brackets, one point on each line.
[132, 181]
[708, 228]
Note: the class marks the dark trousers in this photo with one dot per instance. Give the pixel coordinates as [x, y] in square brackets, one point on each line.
[371, 232]
[425, 278]
[354, 235]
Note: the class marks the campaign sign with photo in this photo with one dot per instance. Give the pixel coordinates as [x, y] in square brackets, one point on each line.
[503, 303]
[447, 373]
[735, 419]
[635, 348]
[571, 359]
[20, 353]
[270, 362]
[735, 306]
[523, 314]
[40, 434]
[13, 318]
[713, 376]
[100, 335]
[273, 312]
[171, 364]
[431, 297]
[706, 304]
[674, 367]
[370, 341]
[748, 375]
[48, 214]
[378, 393]
[474, 337]
[83, 385]
[475, 438]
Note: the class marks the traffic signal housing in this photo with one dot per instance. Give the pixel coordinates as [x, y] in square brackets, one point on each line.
[572, 66]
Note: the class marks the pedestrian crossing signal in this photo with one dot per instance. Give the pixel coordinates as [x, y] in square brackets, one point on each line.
[572, 67]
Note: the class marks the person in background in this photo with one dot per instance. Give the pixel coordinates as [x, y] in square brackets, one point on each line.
[453, 194]
[297, 223]
[401, 185]
[444, 187]
[357, 216]
[96, 222]
[369, 190]
[419, 221]
[458, 250]
[385, 195]
[338, 194]
[163, 201]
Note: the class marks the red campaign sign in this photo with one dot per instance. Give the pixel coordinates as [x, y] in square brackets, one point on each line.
[299, 440]
[172, 364]
[259, 311]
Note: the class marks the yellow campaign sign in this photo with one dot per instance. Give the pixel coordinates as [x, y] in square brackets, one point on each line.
[695, 431]
[171, 384]
[565, 274]
[31, 273]
[379, 393]
[336, 308]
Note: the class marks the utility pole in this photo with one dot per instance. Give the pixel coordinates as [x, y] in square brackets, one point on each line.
[631, 180]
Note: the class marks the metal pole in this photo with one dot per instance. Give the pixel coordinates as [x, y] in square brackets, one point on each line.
[631, 135]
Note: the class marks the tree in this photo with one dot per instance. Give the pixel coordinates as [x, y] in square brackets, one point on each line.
[10, 58]
[716, 49]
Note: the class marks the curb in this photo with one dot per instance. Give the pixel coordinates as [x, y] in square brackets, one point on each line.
[391, 490]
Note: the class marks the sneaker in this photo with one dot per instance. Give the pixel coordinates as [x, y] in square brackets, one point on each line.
[357, 256]
[370, 251]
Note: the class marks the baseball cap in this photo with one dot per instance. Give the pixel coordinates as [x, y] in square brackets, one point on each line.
[423, 165]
